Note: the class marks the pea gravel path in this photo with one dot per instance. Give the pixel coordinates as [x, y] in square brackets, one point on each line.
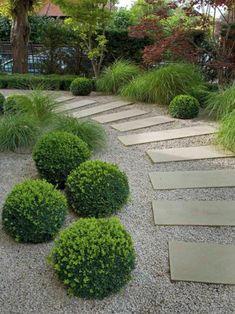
[29, 285]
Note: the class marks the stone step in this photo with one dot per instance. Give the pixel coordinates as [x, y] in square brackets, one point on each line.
[76, 105]
[119, 115]
[64, 98]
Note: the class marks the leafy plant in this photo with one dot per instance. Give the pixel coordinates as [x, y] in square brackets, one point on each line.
[97, 189]
[162, 85]
[56, 154]
[34, 211]
[14, 103]
[81, 86]
[116, 76]
[184, 107]
[90, 132]
[2, 100]
[17, 132]
[226, 134]
[220, 103]
[94, 257]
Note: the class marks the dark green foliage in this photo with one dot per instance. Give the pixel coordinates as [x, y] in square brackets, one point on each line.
[34, 211]
[90, 132]
[184, 107]
[2, 100]
[94, 258]
[18, 132]
[81, 86]
[116, 76]
[28, 81]
[97, 189]
[222, 102]
[160, 86]
[226, 134]
[56, 154]
[5, 28]
[14, 103]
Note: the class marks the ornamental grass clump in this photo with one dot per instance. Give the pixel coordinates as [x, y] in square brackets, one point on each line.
[94, 258]
[14, 103]
[162, 85]
[56, 154]
[81, 86]
[2, 100]
[221, 103]
[184, 107]
[97, 189]
[34, 211]
[226, 133]
[116, 76]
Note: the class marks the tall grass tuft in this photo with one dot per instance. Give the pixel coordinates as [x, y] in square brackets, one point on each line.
[221, 103]
[90, 132]
[226, 134]
[18, 132]
[116, 76]
[162, 85]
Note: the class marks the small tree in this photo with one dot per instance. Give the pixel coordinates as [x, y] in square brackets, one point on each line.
[88, 17]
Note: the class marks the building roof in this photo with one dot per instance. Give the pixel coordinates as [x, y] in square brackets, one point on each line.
[52, 10]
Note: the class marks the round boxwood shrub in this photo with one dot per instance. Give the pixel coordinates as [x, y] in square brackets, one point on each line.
[94, 257]
[2, 100]
[56, 154]
[34, 211]
[97, 189]
[184, 107]
[15, 103]
[81, 86]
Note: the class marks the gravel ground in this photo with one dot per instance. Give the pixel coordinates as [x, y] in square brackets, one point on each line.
[29, 285]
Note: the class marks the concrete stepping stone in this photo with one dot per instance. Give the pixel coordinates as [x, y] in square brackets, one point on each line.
[194, 213]
[141, 123]
[76, 104]
[101, 108]
[187, 153]
[119, 115]
[192, 179]
[202, 262]
[64, 98]
[148, 137]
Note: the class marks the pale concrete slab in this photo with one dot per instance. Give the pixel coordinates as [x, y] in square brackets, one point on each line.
[119, 115]
[187, 153]
[101, 108]
[202, 262]
[76, 104]
[192, 179]
[148, 137]
[141, 123]
[64, 98]
[194, 213]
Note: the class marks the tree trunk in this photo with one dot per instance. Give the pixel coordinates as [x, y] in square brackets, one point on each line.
[20, 36]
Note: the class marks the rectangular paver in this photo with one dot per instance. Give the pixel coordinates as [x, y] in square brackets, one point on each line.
[142, 123]
[202, 262]
[101, 108]
[76, 104]
[148, 137]
[64, 98]
[192, 179]
[119, 115]
[194, 213]
[187, 153]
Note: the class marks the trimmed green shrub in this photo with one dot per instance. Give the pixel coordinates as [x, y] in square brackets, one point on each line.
[162, 85]
[56, 154]
[18, 132]
[226, 134]
[14, 103]
[2, 100]
[97, 189]
[220, 103]
[34, 211]
[89, 131]
[184, 107]
[94, 257]
[116, 76]
[81, 86]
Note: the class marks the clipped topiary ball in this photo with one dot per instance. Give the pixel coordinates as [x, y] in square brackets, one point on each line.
[97, 189]
[34, 211]
[15, 103]
[94, 257]
[56, 154]
[2, 100]
[81, 86]
[184, 107]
